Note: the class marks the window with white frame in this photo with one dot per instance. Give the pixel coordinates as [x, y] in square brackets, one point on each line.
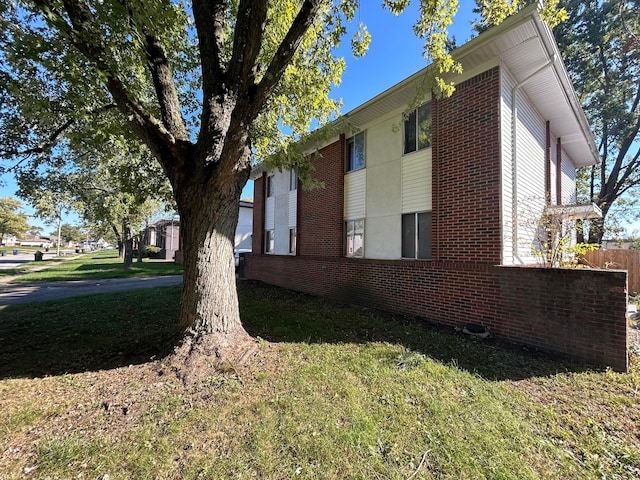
[416, 235]
[292, 241]
[269, 241]
[354, 238]
[269, 187]
[417, 129]
[355, 152]
[293, 180]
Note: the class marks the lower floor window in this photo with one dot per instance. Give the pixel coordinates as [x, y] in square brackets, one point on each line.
[416, 235]
[292, 241]
[354, 238]
[269, 241]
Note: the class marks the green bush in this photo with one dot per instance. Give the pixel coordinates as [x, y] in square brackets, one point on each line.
[151, 251]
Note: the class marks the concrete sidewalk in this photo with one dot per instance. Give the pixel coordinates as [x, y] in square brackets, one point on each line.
[11, 294]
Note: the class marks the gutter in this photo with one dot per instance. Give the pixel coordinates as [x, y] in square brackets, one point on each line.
[565, 83]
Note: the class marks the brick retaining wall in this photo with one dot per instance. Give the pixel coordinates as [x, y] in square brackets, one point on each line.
[579, 313]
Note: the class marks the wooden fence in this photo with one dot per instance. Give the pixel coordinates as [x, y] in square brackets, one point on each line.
[617, 260]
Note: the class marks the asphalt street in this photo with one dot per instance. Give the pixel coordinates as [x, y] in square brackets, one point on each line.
[11, 294]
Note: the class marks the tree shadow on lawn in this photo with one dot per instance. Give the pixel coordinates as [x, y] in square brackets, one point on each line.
[113, 330]
[151, 267]
[87, 333]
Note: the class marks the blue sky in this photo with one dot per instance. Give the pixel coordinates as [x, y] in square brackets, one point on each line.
[394, 54]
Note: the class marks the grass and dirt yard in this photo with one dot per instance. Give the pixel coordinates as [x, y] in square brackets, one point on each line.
[336, 392]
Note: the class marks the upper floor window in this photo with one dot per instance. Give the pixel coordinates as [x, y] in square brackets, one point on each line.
[269, 186]
[416, 235]
[293, 180]
[417, 129]
[355, 152]
[354, 238]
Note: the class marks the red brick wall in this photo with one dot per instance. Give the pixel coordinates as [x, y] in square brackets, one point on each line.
[579, 313]
[320, 211]
[466, 172]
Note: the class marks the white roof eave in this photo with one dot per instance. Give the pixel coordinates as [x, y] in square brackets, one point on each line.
[564, 111]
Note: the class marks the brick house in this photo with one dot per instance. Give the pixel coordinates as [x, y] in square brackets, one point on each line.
[429, 212]
[164, 234]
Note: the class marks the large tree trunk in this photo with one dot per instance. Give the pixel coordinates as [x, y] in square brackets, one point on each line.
[596, 229]
[214, 337]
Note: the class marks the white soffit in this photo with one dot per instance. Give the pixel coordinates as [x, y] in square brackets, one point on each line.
[523, 44]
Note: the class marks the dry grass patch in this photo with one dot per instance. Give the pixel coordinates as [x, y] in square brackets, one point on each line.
[336, 392]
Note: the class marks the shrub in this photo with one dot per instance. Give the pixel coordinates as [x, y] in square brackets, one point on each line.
[151, 251]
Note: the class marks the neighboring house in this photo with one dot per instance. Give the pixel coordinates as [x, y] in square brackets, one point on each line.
[166, 234]
[9, 240]
[35, 241]
[423, 212]
[245, 227]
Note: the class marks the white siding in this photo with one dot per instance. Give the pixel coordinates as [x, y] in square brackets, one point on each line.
[383, 192]
[417, 181]
[355, 194]
[507, 84]
[383, 237]
[530, 144]
[293, 208]
[390, 185]
[569, 196]
[269, 213]
[244, 229]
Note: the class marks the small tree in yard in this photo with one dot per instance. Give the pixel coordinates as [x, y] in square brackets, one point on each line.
[12, 220]
[205, 89]
[552, 234]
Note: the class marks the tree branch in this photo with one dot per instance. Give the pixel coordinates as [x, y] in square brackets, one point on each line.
[613, 180]
[247, 41]
[51, 140]
[165, 87]
[161, 74]
[84, 34]
[209, 19]
[287, 50]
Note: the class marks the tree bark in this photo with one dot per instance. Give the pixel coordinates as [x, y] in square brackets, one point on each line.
[213, 337]
[128, 244]
[207, 177]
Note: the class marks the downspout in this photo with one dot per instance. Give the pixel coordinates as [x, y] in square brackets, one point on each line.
[514, 157]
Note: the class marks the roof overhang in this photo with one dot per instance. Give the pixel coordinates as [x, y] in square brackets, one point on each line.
[522, 44]
[574, 212]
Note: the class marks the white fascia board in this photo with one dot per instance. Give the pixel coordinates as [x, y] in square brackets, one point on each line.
[575, 212]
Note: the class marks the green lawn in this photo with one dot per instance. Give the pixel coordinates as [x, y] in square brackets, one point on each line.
[336, 392]
[101, 264]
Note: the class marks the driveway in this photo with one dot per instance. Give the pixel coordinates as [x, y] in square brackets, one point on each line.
[11, 294]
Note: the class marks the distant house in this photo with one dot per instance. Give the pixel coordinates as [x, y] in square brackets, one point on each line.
[35, 241]
[244, 230]
[9, 240]
[427, 212]
[166, 234]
